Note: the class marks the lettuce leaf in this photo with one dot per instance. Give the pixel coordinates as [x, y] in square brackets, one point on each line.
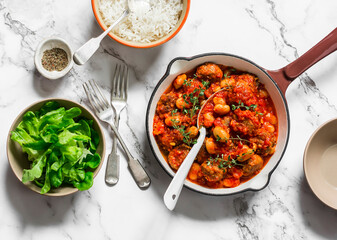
[46, 185]
[37, 168]
[86, 183]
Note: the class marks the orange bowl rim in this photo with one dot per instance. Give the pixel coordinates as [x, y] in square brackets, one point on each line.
[126, 43]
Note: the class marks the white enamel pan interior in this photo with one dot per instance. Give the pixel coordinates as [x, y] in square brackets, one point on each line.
[182, 65]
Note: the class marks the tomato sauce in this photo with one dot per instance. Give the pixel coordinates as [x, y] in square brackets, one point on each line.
[240, 118]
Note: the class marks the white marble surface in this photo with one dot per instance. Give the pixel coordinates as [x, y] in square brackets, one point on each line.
[271, 33]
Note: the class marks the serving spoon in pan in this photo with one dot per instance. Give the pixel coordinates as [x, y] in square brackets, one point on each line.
[174, 189]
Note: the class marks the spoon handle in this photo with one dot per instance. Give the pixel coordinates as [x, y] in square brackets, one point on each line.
[124, 14]
[84, 53]
[173, 191]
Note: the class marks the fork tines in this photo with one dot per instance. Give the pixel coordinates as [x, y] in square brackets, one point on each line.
[96, 98]
[119, 82]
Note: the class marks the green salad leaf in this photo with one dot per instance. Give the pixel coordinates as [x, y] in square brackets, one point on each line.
[60, 145]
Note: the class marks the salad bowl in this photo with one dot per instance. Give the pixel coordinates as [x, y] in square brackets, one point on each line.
[18, 160]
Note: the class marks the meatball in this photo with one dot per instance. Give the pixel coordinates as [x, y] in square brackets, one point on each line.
[212, 172]
[254, 164]
[265, 142]
[209, 71]
[167, 103]
[245, 122]
[246, 84]
[245, 127]
[170, 139]
[177, 156]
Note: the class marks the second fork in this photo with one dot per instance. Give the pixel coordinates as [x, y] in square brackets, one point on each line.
[104, 112]
[118, 103]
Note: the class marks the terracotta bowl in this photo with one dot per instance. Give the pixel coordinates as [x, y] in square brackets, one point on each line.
[18, 160]
[180, 24]
[320, 163]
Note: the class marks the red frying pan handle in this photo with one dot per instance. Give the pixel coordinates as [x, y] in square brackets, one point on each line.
[285, 75]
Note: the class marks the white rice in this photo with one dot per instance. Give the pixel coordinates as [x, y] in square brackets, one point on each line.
[159, 21]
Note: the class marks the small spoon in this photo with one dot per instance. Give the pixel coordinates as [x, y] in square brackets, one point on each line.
[84, 53]
[174, 189]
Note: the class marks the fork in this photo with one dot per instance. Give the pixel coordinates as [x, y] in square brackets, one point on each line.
[118, 103]
[104, 112]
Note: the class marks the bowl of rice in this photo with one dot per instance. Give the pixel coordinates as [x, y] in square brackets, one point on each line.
[162, 21]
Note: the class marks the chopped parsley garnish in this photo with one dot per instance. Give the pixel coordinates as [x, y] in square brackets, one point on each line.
[239, 139]
[193, 97]
[223, 163]
[187, 82]
[186, 135]
[206, 84]
[194, 100]
[242, 105]
[174, 112]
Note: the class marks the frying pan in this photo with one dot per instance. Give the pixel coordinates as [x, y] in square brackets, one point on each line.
[276, 82]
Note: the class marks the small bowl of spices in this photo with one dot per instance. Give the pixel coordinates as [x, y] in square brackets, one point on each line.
[53, 58]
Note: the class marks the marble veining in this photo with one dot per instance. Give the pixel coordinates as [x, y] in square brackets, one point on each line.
[271, 33]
